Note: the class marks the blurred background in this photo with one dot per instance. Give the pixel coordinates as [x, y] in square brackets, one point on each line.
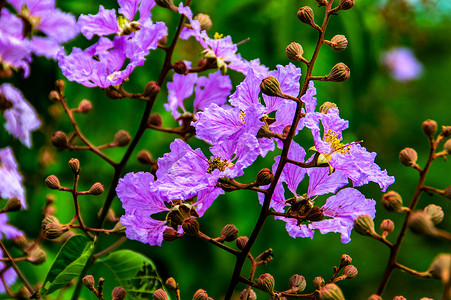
[383, 112]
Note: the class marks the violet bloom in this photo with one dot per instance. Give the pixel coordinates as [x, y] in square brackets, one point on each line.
[402, 64]
[14, 54]
[6, 230]
[140, 202]
[7, 273]
[11, 184]
[21, 118]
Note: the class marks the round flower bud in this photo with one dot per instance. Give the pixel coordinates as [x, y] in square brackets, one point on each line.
[297, 283]
[171, 283]
[84, 106]
[251, 296]
[375, 297]
[350, 271]
[37, 256]
[145, 157]
[270, 86]
[155, 119]
[88, 281]
[122, 138]
[165, 3]
[52, 182]
[170, 234]
[152, 89]
[387, 227]
[436, 213]
[266, 283]
[54, 96]
[315, 214]
[49, 220]
[364, 225]
[74, 165]
[331, 291]
[346, 4]
[60, 84]
[305, 15]
[180, 67]
[160, 294]
[118, 293]
[421, 223]
[20, 242]
[429, 128]
[13, 204]
[229, 233]
[241, 242]
[200, 294]
[339, 73]
[446, 131]
[408, 157]
[264, 177]
[324, 108]
[191, 226]
[345, 260]
[294, 52]
[447, 147]
[96, 189]
[53, 231]
[399, 298]
[204, 20]
[392, 201]
[441, 266]
[60, 141]
[339, 42]
[318, 281]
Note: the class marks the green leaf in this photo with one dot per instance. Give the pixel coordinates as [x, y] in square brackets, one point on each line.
[134, 272]
[69, 263]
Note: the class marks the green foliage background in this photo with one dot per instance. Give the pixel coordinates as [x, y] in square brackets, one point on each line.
[385, 114]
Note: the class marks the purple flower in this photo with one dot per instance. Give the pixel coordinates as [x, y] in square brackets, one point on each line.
[21, 118]
[402, 64]
[9, 231]
[7, 273]
[14, 53]
[11, 184]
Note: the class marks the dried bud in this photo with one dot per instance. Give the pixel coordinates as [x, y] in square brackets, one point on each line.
[165, 3]
[266, 283]
[74, 165]
[446, 131]
[294, 52]
[350, 271]
[13, 204]
[241, 242]
[387, 227]
[118, 229]
[375, 297]
[345, 260]
[171, 284]
[180, 67]
[435, 212]
[429, 128]
[96, 189]
[324, 108]
[447, 147]
[155, 120]
[122, 138]
[305, 15]
[37, 256]
[265, 257]
[392, 201]
[84, 106]
[54, 96]
[331, 291]
[112, 93]
[270, 86]
[339, 73]
[53, 231]
[441, 266]
[408, 157]
[318, 281]
[145, 158]
[297, 283]
[251, 296]
[315, 214]
[60, 141]
[88, 281]
[364, 225]
[152, 89]
[160, 294]
[421, 223]
[346, 4]
[229, 233]
[200, 294]
[170, 234]
[52, 182]
[204, 20]
[264, 177]
[339, 42]
[191, 226]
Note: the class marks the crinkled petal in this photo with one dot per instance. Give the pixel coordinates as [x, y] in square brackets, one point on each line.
[144, 229]
[9, 275]
[43, 46]
[322, 182]
[292, 174]
[11, 184]
[59, 25]
[15, 52]
[296, 231]
[128, 8]
[103, 23]
[214, 89]
[9, 231]
[247, 91]
[181, 87]
[309, 98]
[205, 199]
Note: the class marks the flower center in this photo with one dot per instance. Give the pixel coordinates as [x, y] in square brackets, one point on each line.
[335, 143]
[218, 163]
[242, 115]
[126, 26]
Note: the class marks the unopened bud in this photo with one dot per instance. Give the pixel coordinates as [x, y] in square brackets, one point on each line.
[266, 283]
[49, 220]
[60, 84]
[294, 52]
[346, 4]
[324, 108]
[88, 281]
[446, 131]
[392, 201]
[145, 158]
[170, 234]
[315, 214]
[339, 42]
[305, 15]
[165, 3]
[155, 119]
[345, 260]
[74, 165]
[399, 298]
[60, 141]
[20, 242]
[152, 89]
[241, 242]
[171, 284]
[441, 266]
[96, 189]
[270, 86]
[191, 226]
[122, 138]
[350, 271]
[265, 257]
[200, 294]
[331, 291]
[160, 294]
[118, 229]
[375, 297]
[229, 233]
[13, 204]
[429, 128]
[118, 293]
[53, 231]
[54, 96]
[435, 212]
[318, 281]
[297, 283]
[447, 147]
[37, 256]
[339, 73]
[113, 93]
[264, 177]
[421, 223]
[408, 157]
[251, 295]
[84, 106]
[52, 182]
[180, 67]
[364, 225]
[387, 227]
[204, 20]
[447, 192]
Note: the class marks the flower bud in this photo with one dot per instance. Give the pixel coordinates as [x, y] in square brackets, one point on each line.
[447, 147]
[170, 234]
[165, 3]
[387, 227]
[84, 106]
[270, 86]
[200, 294]
[180, 67]
[331, 291]
[315, 214]
[339, 73]
[399, 298]
[294, 52]
[447, 192]
[160, 294]
[265, 257]
[155, 119]
[191, 226]
[53, 231]
[435, 212]
[122, 138]
[305, 15]
[60, 141]
[118, 293]
[241, 242]
[49, 220]
[297, 283]
[375, 297]
[429, 128]
[346, 4]
[52, 182]
[441, 266]
[264, 177]
[20, 242]
[446, 131]
[266, 283]
[339, 42]
[251, 296]
[13, 204]
[204, 20]
[408, 157]
[392, 201]
[345, 260]
[324, 108]
[171, 284]
[421, 223]
[350, 271]
[60, 84]
[54, 96]
[152, 89]
[37, 256]
[74, 165]
[229, 233]
[145, 158]
[88, 281]
[318, 281]
[364, 225]
[96, 189]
